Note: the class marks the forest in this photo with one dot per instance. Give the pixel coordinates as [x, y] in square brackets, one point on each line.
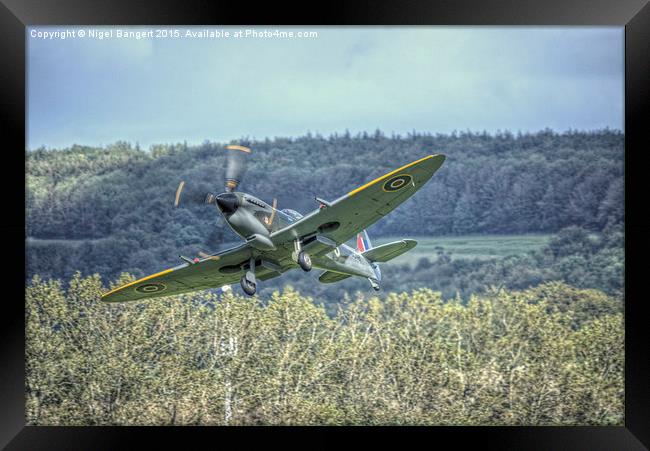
[549, 355]
[574, 256]
[533, 338]
[110, 210]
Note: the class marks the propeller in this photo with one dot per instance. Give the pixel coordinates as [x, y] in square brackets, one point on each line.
[187, 194]
[272, 217]
[179, 190]
[235, 166]
[195, 194]
[205, 255]
[235, 169]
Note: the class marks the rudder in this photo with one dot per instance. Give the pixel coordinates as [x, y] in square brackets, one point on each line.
[363, 241]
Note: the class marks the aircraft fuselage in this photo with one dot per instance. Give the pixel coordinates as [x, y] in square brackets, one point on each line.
[249, 216]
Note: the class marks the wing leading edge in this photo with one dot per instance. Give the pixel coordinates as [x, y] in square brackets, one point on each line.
[220, 269]
[342, 220]
[363, 206]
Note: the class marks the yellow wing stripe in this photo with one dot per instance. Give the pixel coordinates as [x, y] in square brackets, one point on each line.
[137, 281]
[361, 188]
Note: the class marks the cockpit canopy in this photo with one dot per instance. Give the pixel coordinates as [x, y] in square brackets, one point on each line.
[293, 215]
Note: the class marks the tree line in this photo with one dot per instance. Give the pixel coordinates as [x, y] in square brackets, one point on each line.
[110, 209]
[551, 355]
[574, 255]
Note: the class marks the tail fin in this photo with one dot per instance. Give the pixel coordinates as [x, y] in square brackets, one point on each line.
[363, 242]
[364, 245]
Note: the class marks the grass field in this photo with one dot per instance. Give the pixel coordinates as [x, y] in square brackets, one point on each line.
[469, 246]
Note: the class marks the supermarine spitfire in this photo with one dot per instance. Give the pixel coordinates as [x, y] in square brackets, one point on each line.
[279, 240]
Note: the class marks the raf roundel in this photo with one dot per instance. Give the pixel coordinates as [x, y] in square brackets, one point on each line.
[151, 288]
[396, 183]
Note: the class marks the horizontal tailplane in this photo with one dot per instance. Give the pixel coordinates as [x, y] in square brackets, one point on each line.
[389, 251]
[331, 277]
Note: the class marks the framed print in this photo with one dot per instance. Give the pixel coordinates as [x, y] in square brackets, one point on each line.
[380, 217]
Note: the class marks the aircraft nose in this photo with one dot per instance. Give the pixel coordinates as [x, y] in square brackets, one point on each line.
[227, 203]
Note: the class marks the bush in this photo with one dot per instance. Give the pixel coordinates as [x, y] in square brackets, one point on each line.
[551, 355]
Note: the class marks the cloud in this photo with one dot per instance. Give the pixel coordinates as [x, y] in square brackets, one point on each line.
[396, 78]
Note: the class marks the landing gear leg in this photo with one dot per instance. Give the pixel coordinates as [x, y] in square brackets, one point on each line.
[301, 257]
[248, 281]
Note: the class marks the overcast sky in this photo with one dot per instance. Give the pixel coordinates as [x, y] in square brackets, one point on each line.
[398, 79]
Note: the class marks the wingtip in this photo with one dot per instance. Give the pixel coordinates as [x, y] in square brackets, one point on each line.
[105, 296]
[438, 159]
[110, 296]
[434, 156]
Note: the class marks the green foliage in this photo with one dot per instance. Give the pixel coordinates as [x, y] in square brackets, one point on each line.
[110, 209]
[551, 355]
[574, 256]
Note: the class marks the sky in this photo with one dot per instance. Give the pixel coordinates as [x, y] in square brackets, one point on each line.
[168, 89]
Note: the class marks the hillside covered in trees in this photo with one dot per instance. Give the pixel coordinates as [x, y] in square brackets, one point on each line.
[533, 338]
[108, 210]
[552, 355]
[574, 256]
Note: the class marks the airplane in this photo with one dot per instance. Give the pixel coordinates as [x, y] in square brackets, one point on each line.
[279, 240]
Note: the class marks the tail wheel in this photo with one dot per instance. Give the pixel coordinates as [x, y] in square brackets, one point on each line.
[249, 287]
[304, 261]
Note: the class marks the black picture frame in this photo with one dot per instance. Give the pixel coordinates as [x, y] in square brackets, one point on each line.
[16, 15]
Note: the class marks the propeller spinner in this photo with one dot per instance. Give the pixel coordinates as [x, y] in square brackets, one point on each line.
[245, 221]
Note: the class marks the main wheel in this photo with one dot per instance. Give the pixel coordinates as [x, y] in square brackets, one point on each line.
[248, 286]
[304, 261]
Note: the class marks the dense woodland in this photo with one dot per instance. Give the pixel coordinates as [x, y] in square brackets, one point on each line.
[108, 210]
[552, 355]
[533, 338]
[574, 256]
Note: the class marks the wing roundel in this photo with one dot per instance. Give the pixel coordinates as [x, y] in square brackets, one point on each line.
[363, 206]
[213, 271]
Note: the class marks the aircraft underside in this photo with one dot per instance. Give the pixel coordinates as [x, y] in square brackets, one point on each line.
[279, 240]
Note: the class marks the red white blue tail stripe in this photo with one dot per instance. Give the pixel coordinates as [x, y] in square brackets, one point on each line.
[363, 243]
